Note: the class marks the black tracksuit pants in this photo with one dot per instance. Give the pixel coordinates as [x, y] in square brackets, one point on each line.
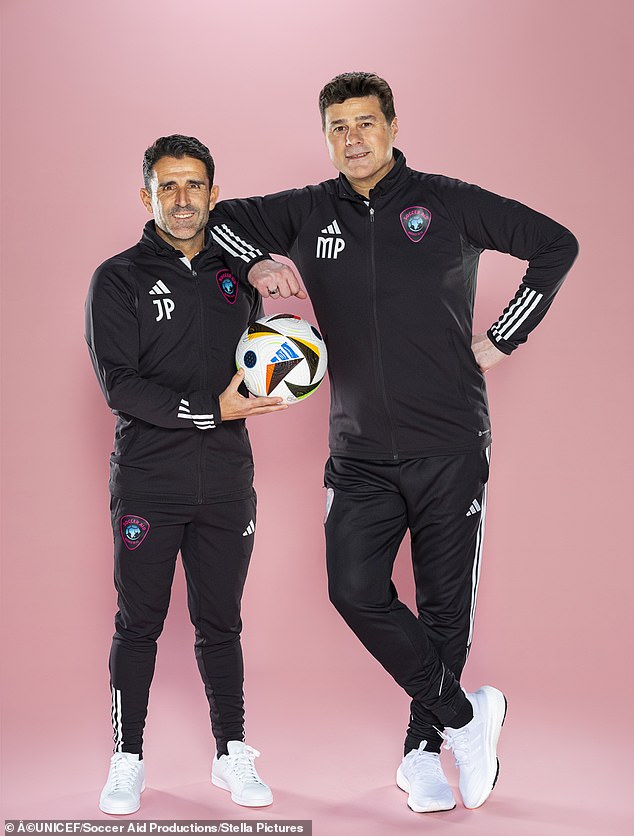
[442, 501]
[215, 542]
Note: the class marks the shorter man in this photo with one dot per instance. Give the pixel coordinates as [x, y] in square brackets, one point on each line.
[162, 322]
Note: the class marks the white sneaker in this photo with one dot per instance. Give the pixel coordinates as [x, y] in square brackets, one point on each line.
[236, 772]
[474, 745]
[420, 774]
[126, 781]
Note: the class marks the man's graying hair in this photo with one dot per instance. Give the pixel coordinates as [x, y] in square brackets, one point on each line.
[177, 146]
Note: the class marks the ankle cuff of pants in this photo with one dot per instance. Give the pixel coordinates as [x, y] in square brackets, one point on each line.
[457, 713]
[463, 716]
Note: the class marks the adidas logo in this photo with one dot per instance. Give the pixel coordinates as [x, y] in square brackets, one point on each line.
[250, 529]
[160, 289]
[164, 307]
[328, 246]
[475, 507]
[332, 229]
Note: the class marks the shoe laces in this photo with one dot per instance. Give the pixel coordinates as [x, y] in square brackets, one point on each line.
[426, 765]
[242, 763]
[123, 773]
[463, 743]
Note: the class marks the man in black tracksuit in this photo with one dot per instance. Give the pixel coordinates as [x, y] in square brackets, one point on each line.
[163, 320]
[389, 256]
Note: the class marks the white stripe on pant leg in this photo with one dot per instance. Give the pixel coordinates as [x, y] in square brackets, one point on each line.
[112, 715]
[116, 720]
[119, 722]
[477, 563]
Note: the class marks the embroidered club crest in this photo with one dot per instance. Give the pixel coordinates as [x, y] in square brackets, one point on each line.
[415, 221]
[228, 285]
[134, 530]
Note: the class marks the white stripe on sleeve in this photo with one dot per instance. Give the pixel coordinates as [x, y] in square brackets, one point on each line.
[233, 244]
[203, 422]
[531, 303]
[517, 313]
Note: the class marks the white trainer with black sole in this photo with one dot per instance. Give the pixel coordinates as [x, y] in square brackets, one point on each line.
[420, 774]
[121, 794]
[475, 745]
[236, 773]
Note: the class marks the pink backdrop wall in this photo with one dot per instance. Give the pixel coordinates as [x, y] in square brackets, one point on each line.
[528, 99]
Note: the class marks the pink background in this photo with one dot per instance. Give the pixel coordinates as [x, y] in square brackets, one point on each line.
[528, 99]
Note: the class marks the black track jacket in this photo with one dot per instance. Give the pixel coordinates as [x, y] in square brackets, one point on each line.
[392, 281]
[162, 340]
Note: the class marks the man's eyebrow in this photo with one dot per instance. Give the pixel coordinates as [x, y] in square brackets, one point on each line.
[356, 119]
[164, 183]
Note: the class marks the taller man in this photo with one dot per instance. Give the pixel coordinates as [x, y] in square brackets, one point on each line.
[162, 322]
[395, 252]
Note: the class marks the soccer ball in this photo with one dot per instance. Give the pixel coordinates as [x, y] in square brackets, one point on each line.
[282, 356]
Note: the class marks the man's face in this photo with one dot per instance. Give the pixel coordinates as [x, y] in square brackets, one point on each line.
[179, 197]
[360, 141]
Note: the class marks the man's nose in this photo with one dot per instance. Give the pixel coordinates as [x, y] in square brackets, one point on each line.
[182, 196]
[352, 136]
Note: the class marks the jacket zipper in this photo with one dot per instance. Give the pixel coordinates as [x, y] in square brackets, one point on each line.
[203, 356]
[377, 340]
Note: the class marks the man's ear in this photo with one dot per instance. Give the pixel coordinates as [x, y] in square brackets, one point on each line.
[146, 200]
[213, 196]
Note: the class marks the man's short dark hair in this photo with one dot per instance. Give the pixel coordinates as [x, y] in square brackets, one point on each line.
[356, 86]
[177, 146]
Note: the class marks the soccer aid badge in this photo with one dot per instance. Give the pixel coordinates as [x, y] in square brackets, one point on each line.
[415, 222]
[228, 285]
[133, 531]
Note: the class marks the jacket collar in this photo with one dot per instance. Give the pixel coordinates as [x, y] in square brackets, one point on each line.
[151, 240]
[393, 178]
